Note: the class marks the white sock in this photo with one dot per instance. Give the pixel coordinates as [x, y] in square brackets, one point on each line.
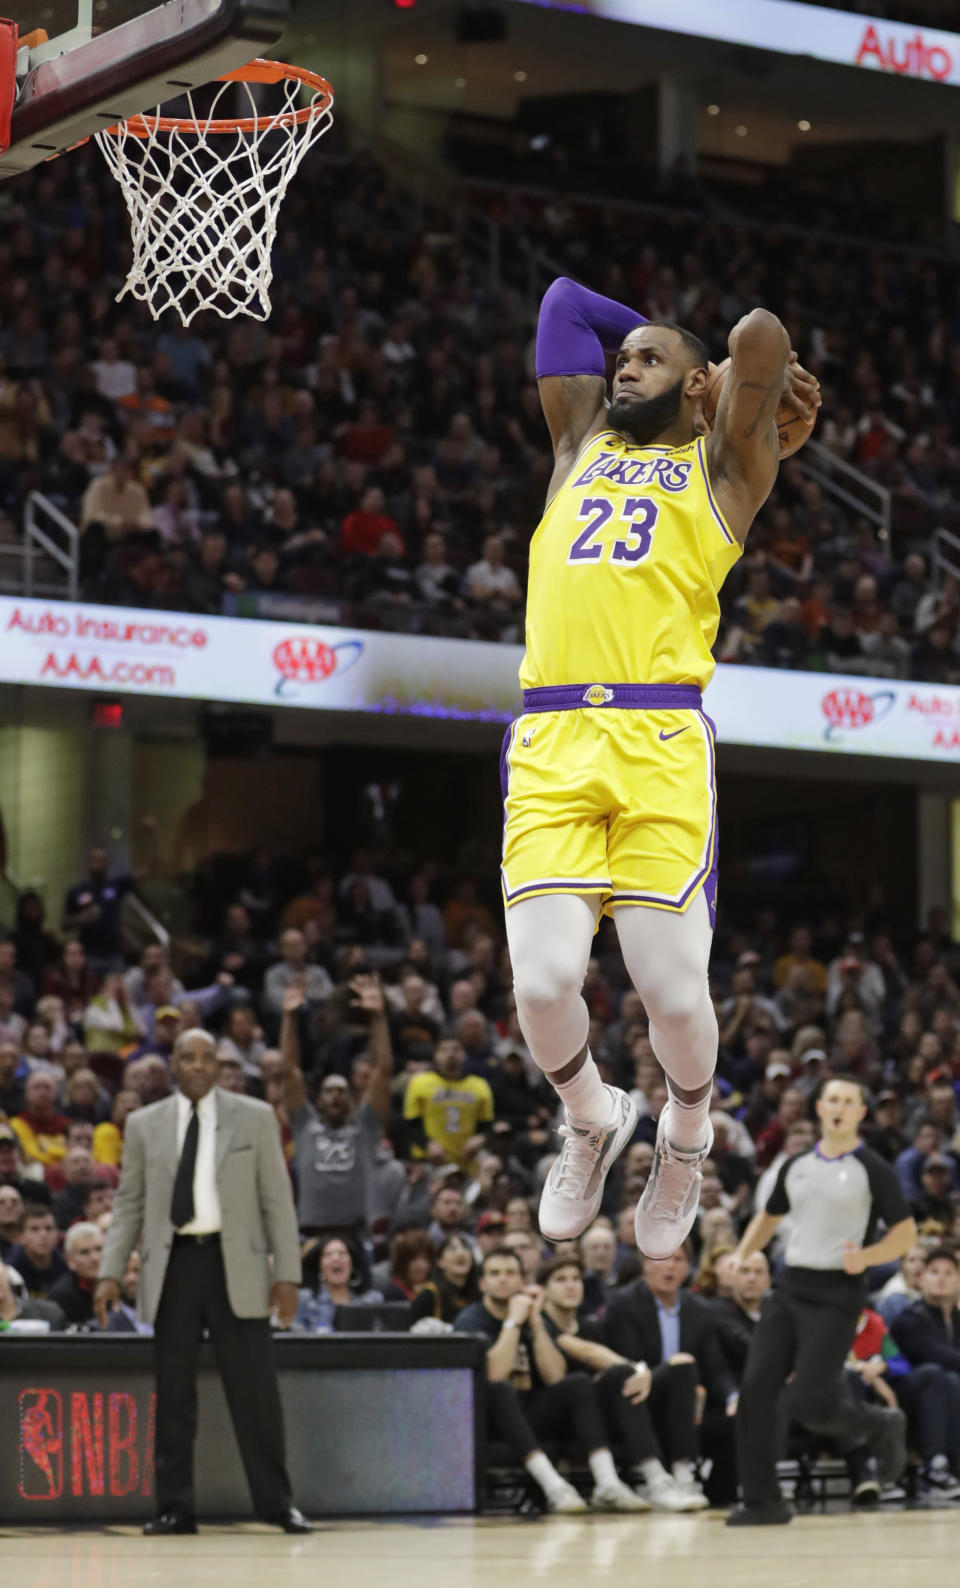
[683, 1472]
[585, 1098]
[687, 1123]
[653, 1470]
[603, 1469]
[544, 1473]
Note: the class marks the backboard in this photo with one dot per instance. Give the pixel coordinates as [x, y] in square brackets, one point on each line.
[105, 60]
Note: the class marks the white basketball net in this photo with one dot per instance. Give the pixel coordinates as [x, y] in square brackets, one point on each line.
[204, 203]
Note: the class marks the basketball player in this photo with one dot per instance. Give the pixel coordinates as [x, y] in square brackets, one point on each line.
[608, 776]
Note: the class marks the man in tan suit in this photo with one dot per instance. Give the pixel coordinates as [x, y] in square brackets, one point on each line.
[205, 1180]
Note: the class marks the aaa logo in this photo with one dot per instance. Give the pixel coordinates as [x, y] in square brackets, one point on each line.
[850, 708]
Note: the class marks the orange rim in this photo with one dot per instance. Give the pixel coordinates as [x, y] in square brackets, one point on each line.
[259, 71]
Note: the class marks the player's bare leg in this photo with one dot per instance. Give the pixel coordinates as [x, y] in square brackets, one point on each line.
[550, 939]
[666, 955]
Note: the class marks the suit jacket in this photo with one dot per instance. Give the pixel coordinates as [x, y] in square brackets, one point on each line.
[920, 1333]
[256, 1203]
[736, 1329]
[632, 1327]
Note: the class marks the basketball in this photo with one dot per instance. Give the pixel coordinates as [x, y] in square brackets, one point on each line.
[794, 431]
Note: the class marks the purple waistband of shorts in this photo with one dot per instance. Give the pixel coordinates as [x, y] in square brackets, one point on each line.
[649, 697]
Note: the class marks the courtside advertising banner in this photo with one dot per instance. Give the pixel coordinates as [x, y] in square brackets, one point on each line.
[793, 29]
[120, 650]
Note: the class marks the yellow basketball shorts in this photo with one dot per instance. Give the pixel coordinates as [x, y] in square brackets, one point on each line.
[621, 802]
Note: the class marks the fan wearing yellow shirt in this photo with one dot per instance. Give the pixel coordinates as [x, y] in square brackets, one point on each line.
[799, 954]
[450, 1105]
[108, 1135]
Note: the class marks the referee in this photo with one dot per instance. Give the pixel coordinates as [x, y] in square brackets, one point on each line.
[835, 1192]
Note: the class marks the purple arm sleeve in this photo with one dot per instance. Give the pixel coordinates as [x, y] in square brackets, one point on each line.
[576, 327]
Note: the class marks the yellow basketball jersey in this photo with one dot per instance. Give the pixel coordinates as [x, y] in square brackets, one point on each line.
[625, 567]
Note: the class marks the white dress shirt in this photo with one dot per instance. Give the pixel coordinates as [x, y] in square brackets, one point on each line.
[206, 1201]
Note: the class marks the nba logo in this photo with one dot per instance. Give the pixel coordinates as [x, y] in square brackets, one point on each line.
[40, 1444]
[527, 739]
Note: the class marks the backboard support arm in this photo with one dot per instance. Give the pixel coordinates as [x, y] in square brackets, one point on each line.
[72, 92]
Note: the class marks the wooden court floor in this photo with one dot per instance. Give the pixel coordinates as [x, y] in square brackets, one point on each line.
[859, 1551]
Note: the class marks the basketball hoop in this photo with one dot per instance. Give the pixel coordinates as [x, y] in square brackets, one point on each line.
[204, 192]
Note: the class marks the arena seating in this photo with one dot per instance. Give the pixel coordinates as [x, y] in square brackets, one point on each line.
[303, 467]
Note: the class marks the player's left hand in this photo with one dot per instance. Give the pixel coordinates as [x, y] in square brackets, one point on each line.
[854, 1259]
[801, 390]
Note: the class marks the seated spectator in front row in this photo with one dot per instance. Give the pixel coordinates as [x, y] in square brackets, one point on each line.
[904, 1286]
[531, 1395]
[928, 1334]
[623, 1386]
[16, 1305]
[37, 1258]
[411, 1265]
[457, 1284]
[598, 1248]
[337, 1286]
[122, 1318]
[655, 1321]
[73, 1292]
[738, 1314]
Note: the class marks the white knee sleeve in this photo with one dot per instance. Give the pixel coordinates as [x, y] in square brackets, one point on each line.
[666, 956]
[549, 940]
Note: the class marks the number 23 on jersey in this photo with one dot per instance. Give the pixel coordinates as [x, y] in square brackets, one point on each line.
[637, 513]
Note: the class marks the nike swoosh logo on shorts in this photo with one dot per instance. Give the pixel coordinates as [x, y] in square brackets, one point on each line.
[673, 735]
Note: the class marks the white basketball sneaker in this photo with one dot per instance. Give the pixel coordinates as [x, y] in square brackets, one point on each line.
[565, 1501]
[668, 1207]
[665, 1494]
[574, 1187]
[618, 1497]
[688, 1486]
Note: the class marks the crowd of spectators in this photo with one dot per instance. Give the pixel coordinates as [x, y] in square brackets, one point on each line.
[376, 454]
[374, 1011]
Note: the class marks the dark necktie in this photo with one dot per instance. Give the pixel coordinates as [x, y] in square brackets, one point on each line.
[181, 1205]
